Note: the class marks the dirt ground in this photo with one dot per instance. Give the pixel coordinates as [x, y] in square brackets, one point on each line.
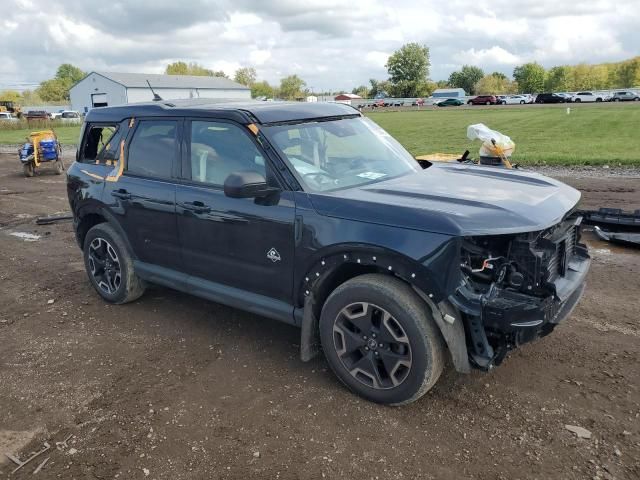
[174, 387]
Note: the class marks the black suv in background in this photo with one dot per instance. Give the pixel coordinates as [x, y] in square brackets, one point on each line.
[313, 215]
[550, 98]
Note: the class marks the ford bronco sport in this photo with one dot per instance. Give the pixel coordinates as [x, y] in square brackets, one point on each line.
[313, 215]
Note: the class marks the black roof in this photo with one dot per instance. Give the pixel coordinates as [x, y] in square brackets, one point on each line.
[244, 112]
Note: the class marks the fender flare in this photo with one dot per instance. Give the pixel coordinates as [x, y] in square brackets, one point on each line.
[446, 316]
[110, 219]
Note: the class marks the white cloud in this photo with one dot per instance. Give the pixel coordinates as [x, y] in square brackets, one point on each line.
[488, 56]
[330, 44]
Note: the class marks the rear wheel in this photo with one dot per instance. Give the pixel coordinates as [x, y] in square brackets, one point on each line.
[110, 266]
[616, 99]
[521, 102]
[58, 167]
[28, 169]
[380, 340]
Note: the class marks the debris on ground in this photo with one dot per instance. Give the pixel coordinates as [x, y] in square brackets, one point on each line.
[580, 432]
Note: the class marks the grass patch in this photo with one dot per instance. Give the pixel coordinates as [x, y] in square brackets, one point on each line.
[590, 135]
[16, 134]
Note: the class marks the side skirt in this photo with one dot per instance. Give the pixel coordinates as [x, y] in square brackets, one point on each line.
[216, 292]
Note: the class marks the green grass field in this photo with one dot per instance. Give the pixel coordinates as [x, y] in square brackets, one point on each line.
[590, 135]
[66, 135]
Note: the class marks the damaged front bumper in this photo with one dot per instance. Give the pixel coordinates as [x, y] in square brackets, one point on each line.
[501, 319]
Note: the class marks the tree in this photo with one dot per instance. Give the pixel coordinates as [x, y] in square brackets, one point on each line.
[362, 90]
[291, 87]
[245, 76]
[57, 88]
[494, 84]
[262, 89]
[30, 97]
[442, 84]
[379, 88]
[69, 74]
[466, 78]
[530, 77]
[500, 75]
[192, 68]
[629, 73]
[10, 96]
[53, 90]
[408, 69]
[558, 79]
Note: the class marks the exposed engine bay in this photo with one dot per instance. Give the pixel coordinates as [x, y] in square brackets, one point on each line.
[516, 288]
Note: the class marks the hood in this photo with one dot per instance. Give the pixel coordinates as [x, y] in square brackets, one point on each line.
[456, 200]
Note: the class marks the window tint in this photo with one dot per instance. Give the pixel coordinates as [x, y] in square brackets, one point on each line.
[153, 148]
[96, 139]
[218, 149]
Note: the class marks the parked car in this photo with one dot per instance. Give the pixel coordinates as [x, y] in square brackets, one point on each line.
[512, 99]
[393, 267]
[449, 102]
[7, 117]
[550, 98]
[625, 97]
[36, 115]
[483, 100]
[70, 116]
[587, 97]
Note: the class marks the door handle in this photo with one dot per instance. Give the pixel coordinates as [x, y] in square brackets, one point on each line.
[121, 194]
[196, 206]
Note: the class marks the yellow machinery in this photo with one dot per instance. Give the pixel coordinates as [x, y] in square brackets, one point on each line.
[42, 147]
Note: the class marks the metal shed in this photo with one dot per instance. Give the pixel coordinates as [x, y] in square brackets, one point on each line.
[101, 89]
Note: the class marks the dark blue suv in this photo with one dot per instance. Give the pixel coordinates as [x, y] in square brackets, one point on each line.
[313, 215]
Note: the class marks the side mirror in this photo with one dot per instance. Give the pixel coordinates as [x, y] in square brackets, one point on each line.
[247, 185]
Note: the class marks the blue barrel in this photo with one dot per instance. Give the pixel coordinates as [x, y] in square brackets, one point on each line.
[49, 149]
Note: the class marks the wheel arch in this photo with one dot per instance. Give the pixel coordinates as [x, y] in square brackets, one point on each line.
[338, 266]
[94, 215]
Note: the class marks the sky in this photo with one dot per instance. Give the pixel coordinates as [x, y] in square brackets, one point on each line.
[333, 45]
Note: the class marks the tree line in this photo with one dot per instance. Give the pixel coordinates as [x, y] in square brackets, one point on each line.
[408, 69]
[534, 78]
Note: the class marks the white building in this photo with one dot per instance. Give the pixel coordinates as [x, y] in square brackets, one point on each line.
[100, 89]
[449, 93]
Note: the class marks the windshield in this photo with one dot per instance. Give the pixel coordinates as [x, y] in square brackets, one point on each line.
[336, 154]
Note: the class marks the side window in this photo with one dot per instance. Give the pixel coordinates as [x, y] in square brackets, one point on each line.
[97, 139]
[219, 149]
[153, 148]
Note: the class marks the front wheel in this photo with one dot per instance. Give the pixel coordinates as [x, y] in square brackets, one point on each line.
[58, 168]
[109, 265]
[380, 339]
[28, 169]
[522, 102]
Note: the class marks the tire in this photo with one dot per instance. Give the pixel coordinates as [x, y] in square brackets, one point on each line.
[636, 99]
[598, 100]
[372, 310]
[616, 99]
[28, 169]
[522, 102]
[58, 167]
[103, 245]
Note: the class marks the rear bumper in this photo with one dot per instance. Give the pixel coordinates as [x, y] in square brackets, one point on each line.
[501, 320]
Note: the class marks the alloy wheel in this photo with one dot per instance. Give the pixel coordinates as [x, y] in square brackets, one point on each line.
[372, 345]
[105, 265]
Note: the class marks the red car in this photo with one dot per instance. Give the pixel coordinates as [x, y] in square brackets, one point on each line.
[483, 100]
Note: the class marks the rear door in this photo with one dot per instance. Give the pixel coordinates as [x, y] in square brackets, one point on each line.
[243, 243]
[142, 196]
